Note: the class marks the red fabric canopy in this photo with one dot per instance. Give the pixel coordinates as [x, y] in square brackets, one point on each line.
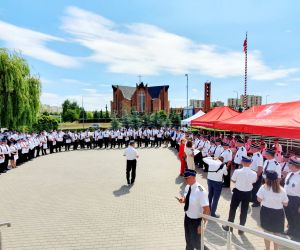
[277, 119]
[212, 117]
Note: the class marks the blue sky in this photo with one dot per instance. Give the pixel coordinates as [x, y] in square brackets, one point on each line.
[80, 48]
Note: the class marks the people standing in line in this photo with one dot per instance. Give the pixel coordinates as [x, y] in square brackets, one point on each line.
[189, 152]
[243, 179]
[216, 169]
[218, 149]
[272, 198]
[257, 167]
[284, 167]
[131, 157]
[292, 188]
[195, 201]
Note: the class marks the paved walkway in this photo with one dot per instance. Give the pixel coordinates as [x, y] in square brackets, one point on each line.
[79, 200]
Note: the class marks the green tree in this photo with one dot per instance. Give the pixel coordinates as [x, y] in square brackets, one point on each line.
[126, 121]
[89, 115]
[45, 122]
[155, 119]
[96, 114]
[19, 92]
[115, 124]
[101, 114]
[70, 111]
[175, 118]
[146, 121]
[135, 120]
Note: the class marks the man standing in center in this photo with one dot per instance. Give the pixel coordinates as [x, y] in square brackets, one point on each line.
[131, 156]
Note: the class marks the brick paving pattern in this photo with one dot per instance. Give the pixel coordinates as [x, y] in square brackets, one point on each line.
[80, 200]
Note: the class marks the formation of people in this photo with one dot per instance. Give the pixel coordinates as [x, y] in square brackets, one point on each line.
[17, 148]
[265, 176]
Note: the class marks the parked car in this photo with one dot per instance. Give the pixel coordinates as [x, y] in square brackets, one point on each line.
[95, 126]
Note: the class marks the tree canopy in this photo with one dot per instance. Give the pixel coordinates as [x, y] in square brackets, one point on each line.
[19, 92]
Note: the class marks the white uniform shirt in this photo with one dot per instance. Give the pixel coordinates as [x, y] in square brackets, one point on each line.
[189, 158]
[271, 199]
[293, 188]
[205, 149]
[244, 179]
[198, 200]
[214, 165]
[227, 155]
[257, 161]
[218, 151]
[239, 154]
[272, 165]
[131, 153]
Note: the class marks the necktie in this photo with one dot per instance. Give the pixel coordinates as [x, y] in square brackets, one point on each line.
[187, 200]
[288, 180]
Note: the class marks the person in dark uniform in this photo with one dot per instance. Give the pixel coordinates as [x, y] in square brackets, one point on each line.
[256, 166]
[292, 188]
[244, 179]
[192, 221]
[131, 157]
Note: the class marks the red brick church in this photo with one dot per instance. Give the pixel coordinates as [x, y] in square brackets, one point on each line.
[141, 98]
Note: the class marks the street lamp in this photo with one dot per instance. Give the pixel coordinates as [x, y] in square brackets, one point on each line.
[187, 90]
[267, 99]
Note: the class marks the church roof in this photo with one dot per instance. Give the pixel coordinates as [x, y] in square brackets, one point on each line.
[155, 90]
[126, 91]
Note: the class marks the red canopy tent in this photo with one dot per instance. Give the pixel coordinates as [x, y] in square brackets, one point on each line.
[212, 117]
[277, 119]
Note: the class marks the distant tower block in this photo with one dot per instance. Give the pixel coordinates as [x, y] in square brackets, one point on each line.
[207, 87]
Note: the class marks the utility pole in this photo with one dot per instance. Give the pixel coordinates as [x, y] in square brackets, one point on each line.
[245, 90]
[82, 112]
[187, 90]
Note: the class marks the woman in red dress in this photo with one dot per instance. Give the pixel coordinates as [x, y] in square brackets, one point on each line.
[182, 156]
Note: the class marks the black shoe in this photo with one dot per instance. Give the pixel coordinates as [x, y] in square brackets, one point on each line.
[241, 232]
[226, 228]
[132, 182]
[216, 216]
[255, 204]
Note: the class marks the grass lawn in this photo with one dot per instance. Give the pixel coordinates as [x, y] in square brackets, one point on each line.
[77, 125]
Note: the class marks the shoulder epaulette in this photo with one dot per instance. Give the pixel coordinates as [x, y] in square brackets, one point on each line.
[242, 149]
[276, 162]
[200, 188]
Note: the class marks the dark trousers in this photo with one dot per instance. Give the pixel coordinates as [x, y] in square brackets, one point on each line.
[192, 237]
[130, 167]
[293, 217]
[214, 193]
[50, 144]
[139, 141]
[239, 197]
[255, 189]
[227, 177]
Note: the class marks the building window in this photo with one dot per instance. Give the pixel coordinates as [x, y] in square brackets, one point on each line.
[142, 102]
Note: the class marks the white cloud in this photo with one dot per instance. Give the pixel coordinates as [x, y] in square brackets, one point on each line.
[281, 84]
[91, 101]
[33, 44]
[149, 50]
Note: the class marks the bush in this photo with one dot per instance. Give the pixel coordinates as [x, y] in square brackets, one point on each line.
[45, 122]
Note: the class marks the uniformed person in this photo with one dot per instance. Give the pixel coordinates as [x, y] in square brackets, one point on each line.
[271, 164]
[131, 157]
[244, 179]
[195, 201]
[241, 151]
[219, 149]
[292, 188]
[227, 155]
[256, 166]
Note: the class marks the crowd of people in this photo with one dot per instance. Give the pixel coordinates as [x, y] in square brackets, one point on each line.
[265, 176]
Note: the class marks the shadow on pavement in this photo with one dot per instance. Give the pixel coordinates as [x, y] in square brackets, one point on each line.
[123, 190]
[242, 241]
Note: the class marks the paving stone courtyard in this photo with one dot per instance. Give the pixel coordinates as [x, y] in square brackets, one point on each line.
[80, 200]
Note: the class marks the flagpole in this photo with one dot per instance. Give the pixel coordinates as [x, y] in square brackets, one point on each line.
[245, 87]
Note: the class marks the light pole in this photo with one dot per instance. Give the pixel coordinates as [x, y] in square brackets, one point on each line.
[82, 112]
[237, 98]
[267, 99]
[187, 90]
